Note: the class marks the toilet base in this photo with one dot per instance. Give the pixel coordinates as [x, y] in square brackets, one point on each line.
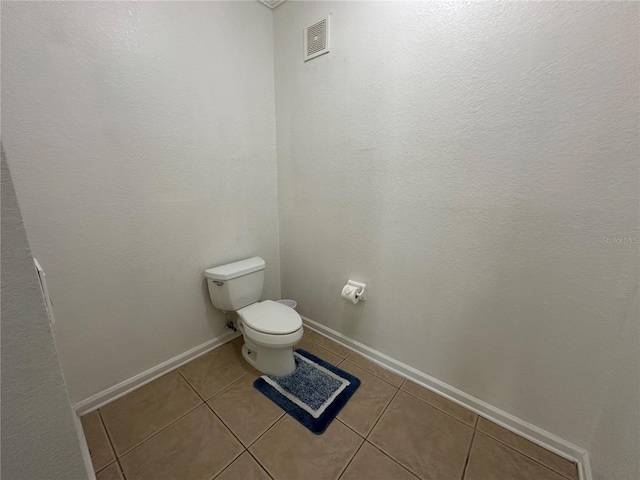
[278, 362]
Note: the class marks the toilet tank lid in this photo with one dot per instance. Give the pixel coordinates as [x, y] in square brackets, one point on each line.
[235, 269]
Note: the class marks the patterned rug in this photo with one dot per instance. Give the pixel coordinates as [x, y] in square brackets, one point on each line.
[313, 394]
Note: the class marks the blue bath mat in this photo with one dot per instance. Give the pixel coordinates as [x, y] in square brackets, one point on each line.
[313, 394]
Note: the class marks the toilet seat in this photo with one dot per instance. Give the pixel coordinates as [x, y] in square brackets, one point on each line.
[272, 341]
[270, 318]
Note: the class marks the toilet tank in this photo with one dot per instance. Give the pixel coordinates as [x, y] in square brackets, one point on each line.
[236, 285]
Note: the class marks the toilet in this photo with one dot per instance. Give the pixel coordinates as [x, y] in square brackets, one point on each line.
[270, 329]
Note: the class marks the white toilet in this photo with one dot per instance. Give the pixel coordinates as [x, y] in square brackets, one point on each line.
[270, 329]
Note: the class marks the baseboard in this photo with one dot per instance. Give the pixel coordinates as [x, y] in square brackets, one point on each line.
[110, 394]
[584, 467]
[84, 448]
[537, 435]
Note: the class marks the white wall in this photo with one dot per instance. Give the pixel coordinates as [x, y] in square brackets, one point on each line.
[467, 161]
[39, 440]
[615, 440]
[141, 137]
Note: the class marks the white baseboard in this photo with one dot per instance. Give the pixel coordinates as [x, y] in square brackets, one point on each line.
[110, 394]
[516, 425]
[584, 467]
[84, 448]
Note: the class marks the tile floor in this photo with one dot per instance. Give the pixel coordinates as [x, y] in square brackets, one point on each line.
[205, 421]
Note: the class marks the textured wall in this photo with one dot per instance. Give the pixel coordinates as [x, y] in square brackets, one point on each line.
[615, 441]
[141, 137]
[467, 161]
[476, 164]
[39, 440]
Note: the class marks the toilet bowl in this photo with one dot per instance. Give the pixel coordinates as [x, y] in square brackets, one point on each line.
[270, 329]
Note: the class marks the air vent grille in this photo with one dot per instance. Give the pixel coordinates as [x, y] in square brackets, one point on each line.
[316, 39]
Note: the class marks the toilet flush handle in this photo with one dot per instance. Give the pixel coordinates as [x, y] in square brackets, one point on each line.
[219, 283]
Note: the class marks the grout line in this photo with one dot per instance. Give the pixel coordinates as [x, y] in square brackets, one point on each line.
[265, 432]
[259, 464]
[228, 465]
[256, 441]
[90, 404]
[104, 426]
[442, 411]
[375, 374]
[466, 461]
[121, 470]
[351, 459]
[349, 352]
[127, 452]
[105, 467]
[220, 392]
[225, 425]
[229, 428]
[190, 386]
[383, 412]
[388, 455]
[374, 426]
[391, 458]
[349, 427]
[223, 470]
[234, 436]
[219, 418]
[205, 400]
[297, 345]
[475, 426]
[527, 456]
[244, 449]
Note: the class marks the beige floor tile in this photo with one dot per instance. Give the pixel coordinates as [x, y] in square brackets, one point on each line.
[371, 464]
[289, 451]
[215, 370]
[365, 407]
[112, 472]
[244, 468]
[97, 441]
[319, 352]
[326, 343]
[530, 449]
[441, 403]
[429, 443]
[239, 341]
[136, 416]
[246, 411]
[377, 370]
[491, 459]
[196, 447]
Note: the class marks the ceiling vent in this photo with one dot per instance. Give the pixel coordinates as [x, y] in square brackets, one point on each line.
[272, 3]
[316, 39]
